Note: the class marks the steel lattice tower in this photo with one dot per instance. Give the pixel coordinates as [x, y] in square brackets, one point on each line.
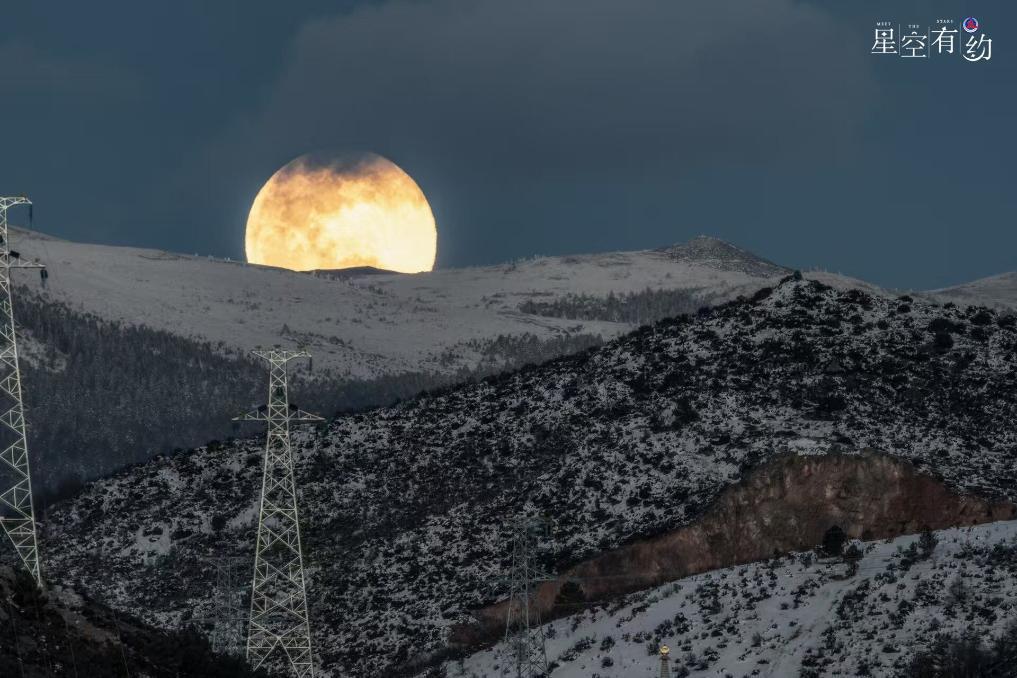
[665, 657]
[523, 632]
[279, 619]
[16, 510]
[229, 619]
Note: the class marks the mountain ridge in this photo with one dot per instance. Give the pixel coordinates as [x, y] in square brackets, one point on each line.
[406, 507]
[348, 320]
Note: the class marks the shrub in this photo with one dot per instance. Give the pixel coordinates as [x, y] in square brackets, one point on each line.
[833, 541]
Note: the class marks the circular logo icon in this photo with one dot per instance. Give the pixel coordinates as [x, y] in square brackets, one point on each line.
[971, 24]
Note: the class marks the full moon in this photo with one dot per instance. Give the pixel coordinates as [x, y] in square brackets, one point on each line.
[341, 212]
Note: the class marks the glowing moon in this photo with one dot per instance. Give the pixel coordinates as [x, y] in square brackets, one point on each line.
[360, 210]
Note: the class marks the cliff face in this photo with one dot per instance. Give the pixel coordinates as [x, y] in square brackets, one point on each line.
[786, 505]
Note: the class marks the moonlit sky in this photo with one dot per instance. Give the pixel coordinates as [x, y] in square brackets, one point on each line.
[532, 127]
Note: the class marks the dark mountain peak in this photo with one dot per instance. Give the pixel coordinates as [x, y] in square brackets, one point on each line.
[722, 255]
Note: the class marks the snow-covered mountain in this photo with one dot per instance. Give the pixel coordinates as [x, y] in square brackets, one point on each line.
[801, 614]
[367, 323]
[406, 507]
[376, 323]
[998, 291]
[129, 353]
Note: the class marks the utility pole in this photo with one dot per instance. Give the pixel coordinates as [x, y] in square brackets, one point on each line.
[228, 618]
[523, 632]
[279, 619]
[17, 513]
[665, 657]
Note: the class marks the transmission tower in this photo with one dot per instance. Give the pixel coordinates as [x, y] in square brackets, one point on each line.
[228, 617]
[279, 619]
[665, 657]
[523, 632]
[16, 510]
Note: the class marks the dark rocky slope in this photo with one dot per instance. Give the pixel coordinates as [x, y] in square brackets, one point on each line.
[405, 508]
[61, 633]
[103, 395]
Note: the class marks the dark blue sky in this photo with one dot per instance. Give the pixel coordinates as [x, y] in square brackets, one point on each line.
[533, 127]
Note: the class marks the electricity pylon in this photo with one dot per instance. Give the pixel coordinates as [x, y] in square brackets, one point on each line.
[523, 632]
[279, 617]
[16, 509]
[228, 618]
[665, 657]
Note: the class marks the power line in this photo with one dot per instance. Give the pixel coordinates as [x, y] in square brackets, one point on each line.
[120, 640]
[14, 632]
[279, 619]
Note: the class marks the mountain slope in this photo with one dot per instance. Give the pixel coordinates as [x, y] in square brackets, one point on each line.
[178, 328]
[376, 323]
[998, 291]
[131, 353]
[61, 633]
[797, 615]
[405, 508]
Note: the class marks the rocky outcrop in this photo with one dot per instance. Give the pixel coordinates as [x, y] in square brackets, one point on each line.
[786, 505]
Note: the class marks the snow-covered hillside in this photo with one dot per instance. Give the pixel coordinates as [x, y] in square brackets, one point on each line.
[803, 614]
[406, 507]
[178, 329]
[369, 324]
[998, 291]
[372, 324]
[186, 322]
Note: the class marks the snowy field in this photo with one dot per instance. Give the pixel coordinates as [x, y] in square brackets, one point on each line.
[794, 616]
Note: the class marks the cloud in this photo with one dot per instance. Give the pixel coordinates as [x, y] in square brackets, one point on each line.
[28, 71]
[567, 86]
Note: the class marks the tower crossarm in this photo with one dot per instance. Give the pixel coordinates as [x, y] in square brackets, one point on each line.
[11, 201]
[295, 416]
[279, 620]
[280, 356]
